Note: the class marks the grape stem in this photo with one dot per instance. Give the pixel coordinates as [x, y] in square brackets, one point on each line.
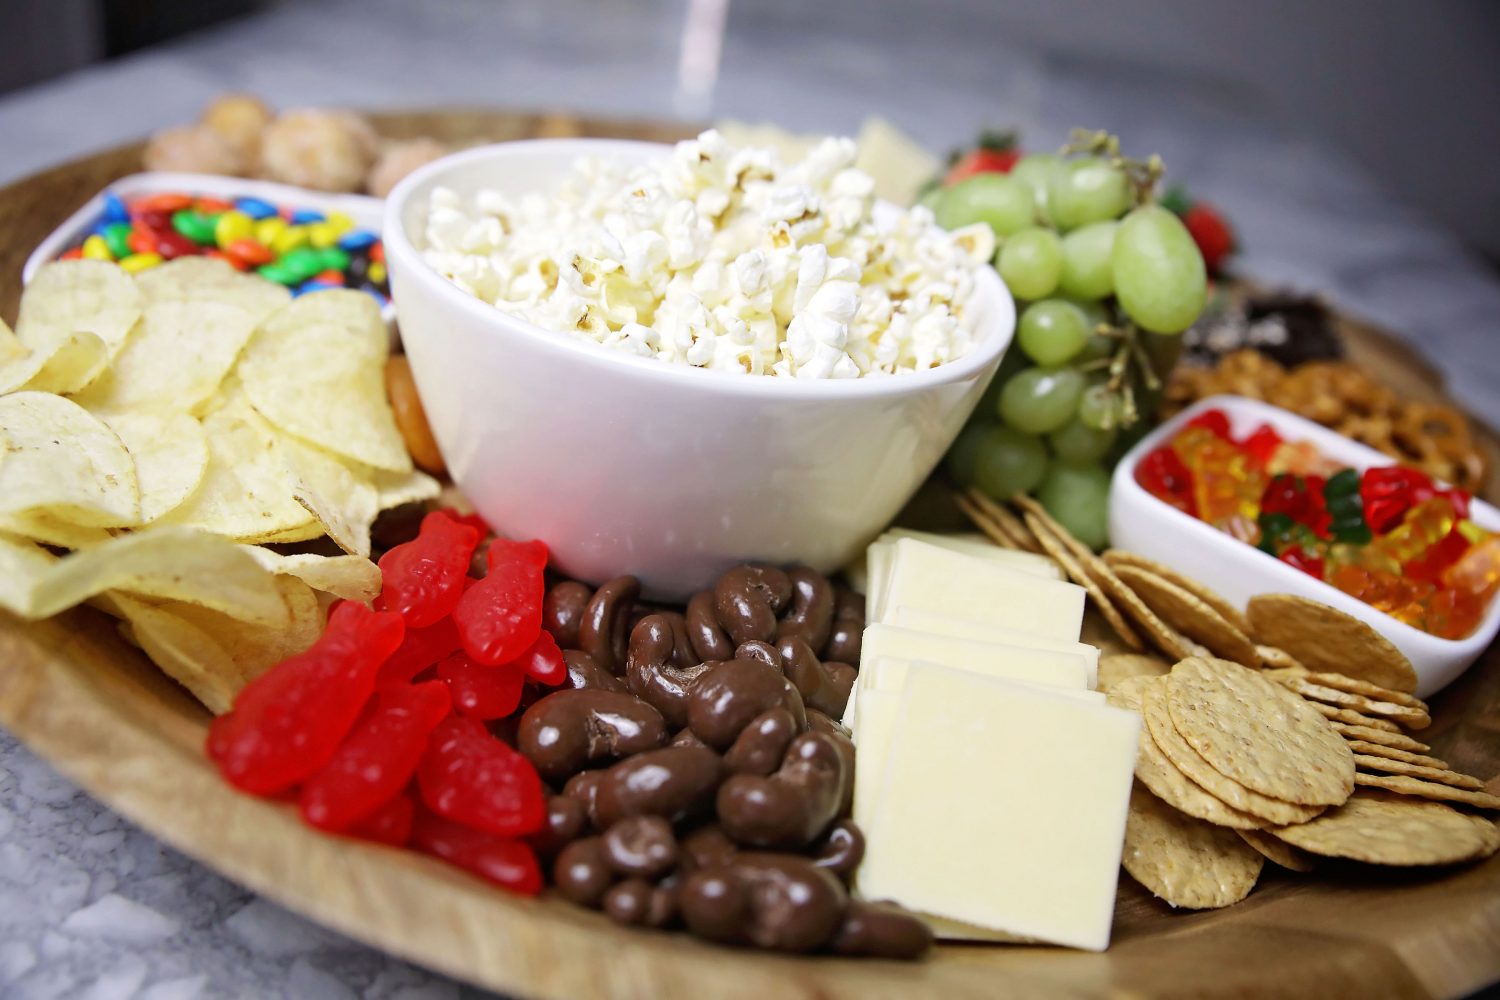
[1142, 175]
[1129, 357]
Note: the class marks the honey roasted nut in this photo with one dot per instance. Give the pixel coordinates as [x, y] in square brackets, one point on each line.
[730, 694]
[748, 600]
[676, 783]
[652, 672]
[789, 809]
[776, 901]
[604, 630]
[568, 730]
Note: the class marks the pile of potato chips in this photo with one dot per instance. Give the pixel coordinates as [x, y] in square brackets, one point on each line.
[164, 428]
[1279, 733]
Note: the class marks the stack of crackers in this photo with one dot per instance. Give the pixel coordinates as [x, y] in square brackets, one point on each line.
[1280, 733]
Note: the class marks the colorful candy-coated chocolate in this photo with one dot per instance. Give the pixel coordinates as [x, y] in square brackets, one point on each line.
[255, 208]
[114, 208]
[303, 216]
[94, 248]
[138, 262]
[356, 239]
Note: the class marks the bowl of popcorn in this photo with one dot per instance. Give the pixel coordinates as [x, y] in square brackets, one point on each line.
[669, 359]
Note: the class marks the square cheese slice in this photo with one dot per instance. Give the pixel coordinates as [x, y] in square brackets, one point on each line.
[927, 578]
[880, 560]
[1002, 805]
[1056, 668]
[960, 628]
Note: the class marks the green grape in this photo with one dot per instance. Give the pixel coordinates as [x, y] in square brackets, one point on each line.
[1079, 498]
[1160, 280]
[1004, 203]
[1087, 267]
[1098, 347]
[962, 460]
[1099, 408]
[931, 197]
[1035, 171]
[1097, 313]
[1041, 399]
[1031, 262]
[1076, 443]
[1086, 190]
[1009, 463]
[1053, 331]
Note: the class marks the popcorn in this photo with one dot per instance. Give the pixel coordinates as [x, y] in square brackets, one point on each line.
[722, 258]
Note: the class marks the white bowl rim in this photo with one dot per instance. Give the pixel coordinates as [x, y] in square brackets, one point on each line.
[986, 349]
[1481, 512]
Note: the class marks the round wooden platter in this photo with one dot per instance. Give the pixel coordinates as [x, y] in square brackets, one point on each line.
[104, 716]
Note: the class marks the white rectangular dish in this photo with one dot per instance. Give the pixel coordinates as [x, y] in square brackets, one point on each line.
[1141, 523]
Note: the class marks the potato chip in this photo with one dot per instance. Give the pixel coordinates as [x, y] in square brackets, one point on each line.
[399, 488]
[63, 460]
[1157, 773]
[1258, 734]
[1116, 558]
[204, 279]
[1395, 753]
[1188, 614]
[291, 536]
[1117, 667]
[39, 526]
[65, 363]
[1428, 789]
[256, 648]
[186, 653]
[67, 296]
[1344, 715]
[22, 563]
[343, 502]
[323, 385]
[246, 493]
[175, 360]
[1278, 851]
[1187, 760]
[172, 563]
[352, 578]
[170, 454]
[353, 311]
[1376, 764]
[1411, 718]
[1184, 861]
[1327, 640]
[1383, 829]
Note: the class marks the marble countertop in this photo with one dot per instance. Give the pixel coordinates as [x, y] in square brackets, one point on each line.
[91, 906]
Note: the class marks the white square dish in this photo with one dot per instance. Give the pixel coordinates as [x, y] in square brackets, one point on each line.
[1139, 522]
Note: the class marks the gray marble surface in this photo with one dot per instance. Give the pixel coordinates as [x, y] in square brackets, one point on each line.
[93, 907]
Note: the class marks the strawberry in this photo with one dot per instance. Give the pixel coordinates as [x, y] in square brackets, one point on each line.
[995, 154]
[1212, 234]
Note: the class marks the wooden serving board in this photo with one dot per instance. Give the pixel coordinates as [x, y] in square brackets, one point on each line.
[104, 716]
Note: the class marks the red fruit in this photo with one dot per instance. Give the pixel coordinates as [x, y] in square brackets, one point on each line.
[377, 758]
[481, 692]
[289, 721]
[510, 864]
[473, 778]
[390, 824]
[1211, 232]
[982, 161]
[500, 616]
[423, 579]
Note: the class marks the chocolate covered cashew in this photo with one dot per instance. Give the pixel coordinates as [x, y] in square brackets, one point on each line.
[761, 745]
[584, 786]
[704, 630]
[748, 599]
[786, 810]
[686, 738]
[823, 686]
[881, 930]
[604, 630]
[705, 847]
[729, 695]
[586, 675]
[641, 847]
[676, 783]
[841, 849]
[766, 653]
[652, 672]
[810, 614]
[567, 730]
[846, 634]
[637, 903]
[562, 611]
[769, 900]
[567, 820]
[582, 872]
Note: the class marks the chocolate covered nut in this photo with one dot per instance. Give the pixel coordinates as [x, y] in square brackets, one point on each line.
[747, 600]
[820, 722]
[686, 738]
[604, 630]
[683, 654]
[786, 810]
[629, 902]
[731, 693]
[567, 820]
[769, 900]
[705, 847]
[704, 630]
[641, 847]
[584, 786]
[810, 614]
[823, 686]
[762, 651]
[676, 783]
[582, 872]
[663, 909]
[761, 745]
[651, 670]
[562, 611]
[841, 849]
[567, 730]
[846, 635]
[585, 674]
[881, 930]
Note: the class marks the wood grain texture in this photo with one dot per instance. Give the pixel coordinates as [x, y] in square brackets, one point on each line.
[105, 717]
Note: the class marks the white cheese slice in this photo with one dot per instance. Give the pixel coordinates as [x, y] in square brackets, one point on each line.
[1028, 664]
[1001, 805]
[880, 560]
[927, 578]
[961, 628]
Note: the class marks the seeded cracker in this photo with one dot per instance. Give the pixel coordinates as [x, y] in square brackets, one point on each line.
[1428, 789]
[1278, 851]
[1184, 861]
[1375, 764]
[1157, 773]
[1383, 829]
[1391, 753]
[993, 530]
[1116, 558]
[1370, 734]
[1201, 772]
[1353, 718]
[1003, 520]
[1353, 685]
[1258, 734]
[1118, 667]
[1327, 640]
[1278, 659]
[1411, 718]
[1191, 616]
[1064, 556]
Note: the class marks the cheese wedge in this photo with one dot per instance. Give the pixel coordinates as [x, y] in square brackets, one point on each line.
[960, 628]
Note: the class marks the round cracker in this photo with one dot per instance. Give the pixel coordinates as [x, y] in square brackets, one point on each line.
[1375, 764]
[1004, 520]
[996, 531]
[1334, 714]
[1411, 718]
[1158, 774]
[1390, 830]
[1328, 640]
[1117, 558]
[1184, 861]
[1353, 685]
[1118, 667]
[1190, 615]
[1428, 789]
[1258, 734]
[1391, 753]
[1065, 556]
[1273, 658]
[1279, 851]
[1370, 734]
[1187, 760]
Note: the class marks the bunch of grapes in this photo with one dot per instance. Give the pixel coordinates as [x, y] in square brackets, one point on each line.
[1104, 280]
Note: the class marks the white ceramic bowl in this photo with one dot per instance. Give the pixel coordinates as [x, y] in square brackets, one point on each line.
[1141, 523]
[632, 465]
